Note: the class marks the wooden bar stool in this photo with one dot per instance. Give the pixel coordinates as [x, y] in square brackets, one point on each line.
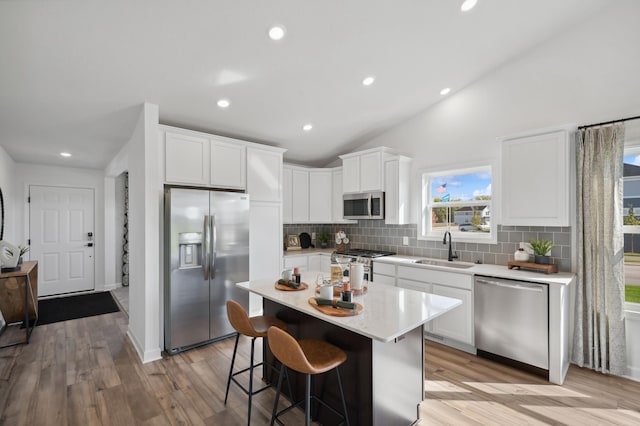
[306, 356]
[253, 327]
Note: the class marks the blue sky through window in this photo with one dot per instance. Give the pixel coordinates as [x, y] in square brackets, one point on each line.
[463, 187]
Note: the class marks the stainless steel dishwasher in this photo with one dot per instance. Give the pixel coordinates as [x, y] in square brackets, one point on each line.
[512, 320]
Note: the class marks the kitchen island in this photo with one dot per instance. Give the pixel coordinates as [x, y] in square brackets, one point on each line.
[383, 376]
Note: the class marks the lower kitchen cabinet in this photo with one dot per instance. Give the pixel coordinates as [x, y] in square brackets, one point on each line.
[454, 328]
[458, 323]
[309, 262]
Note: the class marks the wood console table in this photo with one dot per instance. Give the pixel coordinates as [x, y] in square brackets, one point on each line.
[19, 298]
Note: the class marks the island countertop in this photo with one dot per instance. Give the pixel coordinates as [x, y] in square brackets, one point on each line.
[388, 312]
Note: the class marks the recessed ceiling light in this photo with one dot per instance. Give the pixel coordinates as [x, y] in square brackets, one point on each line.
[445, 91]
[307, 127]
[277, 32]
[224, 103]
[368, 81]
[65, 154]
[467, 5]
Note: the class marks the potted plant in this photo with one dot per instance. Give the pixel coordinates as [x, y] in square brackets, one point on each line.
[22, 249]
[541, 249]
[323, 239]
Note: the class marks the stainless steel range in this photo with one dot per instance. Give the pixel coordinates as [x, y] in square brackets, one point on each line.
[363, 256]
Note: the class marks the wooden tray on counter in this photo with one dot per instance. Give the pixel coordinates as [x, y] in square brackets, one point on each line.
[282, 287]
[547, 269]
[336, 312]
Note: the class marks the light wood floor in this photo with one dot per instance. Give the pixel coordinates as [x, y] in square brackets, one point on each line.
[85, 372]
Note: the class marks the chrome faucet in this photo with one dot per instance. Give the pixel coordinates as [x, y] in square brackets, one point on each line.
[444, 241]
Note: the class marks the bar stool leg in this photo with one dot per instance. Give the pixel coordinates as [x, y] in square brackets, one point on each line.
[344, 403]
[253, 342]
[283, 371]
[307, 400]
[233, 360]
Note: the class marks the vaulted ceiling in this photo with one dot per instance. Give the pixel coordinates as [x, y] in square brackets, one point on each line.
[74, 73]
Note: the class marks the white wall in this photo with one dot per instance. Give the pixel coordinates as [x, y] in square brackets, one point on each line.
[35, 174]
[144, 235]
[7, 166]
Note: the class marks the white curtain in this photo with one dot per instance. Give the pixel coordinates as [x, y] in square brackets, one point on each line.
[599, 338]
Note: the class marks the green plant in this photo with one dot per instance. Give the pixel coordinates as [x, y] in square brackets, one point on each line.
[322, 237]
[22, 249]
[541, 247]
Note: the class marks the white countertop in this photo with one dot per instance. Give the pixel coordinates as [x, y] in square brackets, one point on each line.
[499, 271]
[388, 312]
[308, 251]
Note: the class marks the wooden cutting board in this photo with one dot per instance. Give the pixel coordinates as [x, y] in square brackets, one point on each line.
[336, 312]
[282, 287]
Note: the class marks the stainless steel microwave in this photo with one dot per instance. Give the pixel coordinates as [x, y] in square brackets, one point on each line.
[366, 205]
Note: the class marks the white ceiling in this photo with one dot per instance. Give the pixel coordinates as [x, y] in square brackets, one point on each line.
[73, 73]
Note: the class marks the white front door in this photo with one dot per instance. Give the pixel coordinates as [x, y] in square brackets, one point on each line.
[61, 233]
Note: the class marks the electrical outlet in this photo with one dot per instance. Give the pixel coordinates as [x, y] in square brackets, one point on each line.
[522, 245]
[405, 241]
[313, 235]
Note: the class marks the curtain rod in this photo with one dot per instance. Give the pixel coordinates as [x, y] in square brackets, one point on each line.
[610, 122]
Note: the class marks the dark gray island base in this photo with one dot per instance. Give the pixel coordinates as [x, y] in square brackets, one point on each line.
[383, 381]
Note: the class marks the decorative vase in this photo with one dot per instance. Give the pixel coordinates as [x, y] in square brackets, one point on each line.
[20, 260]
[542, 260]
[521, 256]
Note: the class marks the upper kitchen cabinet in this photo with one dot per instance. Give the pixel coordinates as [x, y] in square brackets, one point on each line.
[186, 159]
[320, 196]
[364, 170]
[397, 173]
[264, 173]
[194, 158]
[307, 195]
[228, 165]
[536, 178]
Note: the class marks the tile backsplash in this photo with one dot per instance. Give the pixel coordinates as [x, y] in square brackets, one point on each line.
[376, 235]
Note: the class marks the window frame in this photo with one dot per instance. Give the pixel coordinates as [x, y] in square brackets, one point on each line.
[426, 205]
[630, 229]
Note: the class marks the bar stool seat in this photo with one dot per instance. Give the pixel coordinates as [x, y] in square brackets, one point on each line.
[253, 327]
[309, 357]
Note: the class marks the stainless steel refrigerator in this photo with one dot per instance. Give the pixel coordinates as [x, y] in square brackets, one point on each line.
[206, 253]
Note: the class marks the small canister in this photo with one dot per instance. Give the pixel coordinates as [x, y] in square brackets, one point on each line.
[347, 296]
[326, 292]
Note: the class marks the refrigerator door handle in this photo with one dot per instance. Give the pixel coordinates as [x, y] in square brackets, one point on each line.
[205, 248]
[213, 246]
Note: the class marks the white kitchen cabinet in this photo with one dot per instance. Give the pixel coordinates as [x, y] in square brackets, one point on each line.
[228, 165]
[456, 324]
[307, 195]
[384, 273]
[320, 196]
[397, 185]
[299, 196]
[186, 159]
[287, 195]
[364, 170]
[301, 262]
[536, 178]
[264, 174]
[320, 262]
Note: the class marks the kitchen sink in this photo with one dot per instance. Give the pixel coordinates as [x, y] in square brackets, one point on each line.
[445, 263]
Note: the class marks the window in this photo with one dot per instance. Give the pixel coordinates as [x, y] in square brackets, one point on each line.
[631, 223]
[458, 201]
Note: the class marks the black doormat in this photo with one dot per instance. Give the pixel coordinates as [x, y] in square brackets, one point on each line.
[74, 307]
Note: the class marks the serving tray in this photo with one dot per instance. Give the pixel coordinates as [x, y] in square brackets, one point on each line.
[336, 312]
[282, 287]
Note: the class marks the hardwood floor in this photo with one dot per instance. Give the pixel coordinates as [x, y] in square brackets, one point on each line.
[85, 372]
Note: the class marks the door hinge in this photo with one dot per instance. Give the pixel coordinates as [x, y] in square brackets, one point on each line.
[29, 242]
[28, 199]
